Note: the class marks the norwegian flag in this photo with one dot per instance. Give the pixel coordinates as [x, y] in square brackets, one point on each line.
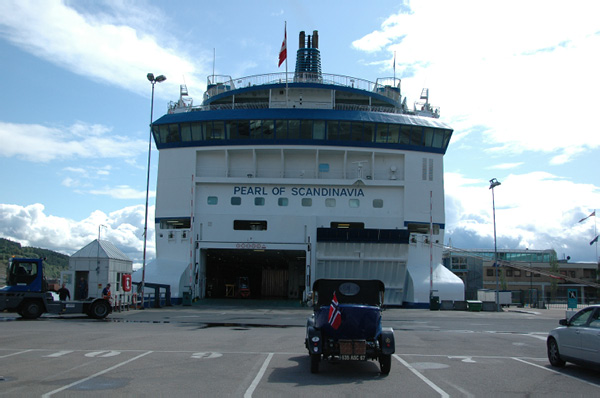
[335, 316]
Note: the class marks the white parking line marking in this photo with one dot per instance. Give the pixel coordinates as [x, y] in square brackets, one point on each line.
[537, 336]
[259, 376]
[102, 354]
[15, 353]
[48, 394]
[431, 384]
[555, 371]
[58, 354]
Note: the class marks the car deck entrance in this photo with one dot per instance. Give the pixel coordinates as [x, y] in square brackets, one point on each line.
[256, 274]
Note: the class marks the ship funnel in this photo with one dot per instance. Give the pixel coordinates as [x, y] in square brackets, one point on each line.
[308, 59]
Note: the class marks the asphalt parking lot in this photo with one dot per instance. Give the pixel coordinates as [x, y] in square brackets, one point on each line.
[240, 351]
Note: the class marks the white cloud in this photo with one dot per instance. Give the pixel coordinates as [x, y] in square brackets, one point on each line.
[536, 210]
[101, 45]
[523, 75]
[505, 166]
[31, 226]
[122, 192]
[38, 143]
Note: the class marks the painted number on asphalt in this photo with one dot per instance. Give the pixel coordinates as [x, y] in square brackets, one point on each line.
[206, 355]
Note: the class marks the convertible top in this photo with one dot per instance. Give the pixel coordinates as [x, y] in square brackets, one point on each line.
[349, 291]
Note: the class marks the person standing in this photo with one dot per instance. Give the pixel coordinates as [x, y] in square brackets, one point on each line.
[106, 292]
[63, 293]
[83, 289]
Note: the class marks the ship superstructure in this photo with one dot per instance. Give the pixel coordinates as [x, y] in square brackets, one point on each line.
[277, 180]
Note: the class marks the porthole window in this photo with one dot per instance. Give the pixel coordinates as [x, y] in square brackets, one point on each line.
[236, 200]
[282, 201]
[306, 202]
[354, 203]
[330, 202]
[259, 201]
[212, 200]
[378, 203]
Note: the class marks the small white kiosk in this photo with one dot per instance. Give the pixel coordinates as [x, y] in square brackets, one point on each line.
[94, 266]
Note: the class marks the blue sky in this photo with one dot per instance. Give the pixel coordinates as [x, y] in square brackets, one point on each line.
[518, 82]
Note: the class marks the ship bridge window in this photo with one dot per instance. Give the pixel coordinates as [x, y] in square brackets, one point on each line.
[212, 200]
[347, 225]
[197, 132]
[236, 201]
[281, 129]
[416, 133]
[268, 128]
[173, 133]
[405, 135]
[249, 225]
[383, 133]
[344, 133]
[293, 129]
[438, 139]
[332, 130]
[369, 132]
[394, 134]
[259, 201]
[306, 129]
[282, 201]
[319, 130]
[255, 129]
[239, 129]
[354, 203]
[330, 202]
[306, 202]
[357, 130]
[175, 223]
[186, 132]
[428, 137]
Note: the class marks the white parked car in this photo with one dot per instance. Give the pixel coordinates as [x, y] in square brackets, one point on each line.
[577, 340]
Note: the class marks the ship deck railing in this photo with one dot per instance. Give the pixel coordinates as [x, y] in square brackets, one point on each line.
[265, 105]
[218, 84]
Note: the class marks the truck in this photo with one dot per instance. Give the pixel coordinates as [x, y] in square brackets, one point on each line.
[26, 293]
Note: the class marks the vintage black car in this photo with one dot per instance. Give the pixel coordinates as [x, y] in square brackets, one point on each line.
[346, 323]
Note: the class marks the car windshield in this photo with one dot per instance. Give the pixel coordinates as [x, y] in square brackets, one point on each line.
[581, 318]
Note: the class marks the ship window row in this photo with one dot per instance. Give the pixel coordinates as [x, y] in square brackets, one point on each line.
[305, 202]
[335, 130]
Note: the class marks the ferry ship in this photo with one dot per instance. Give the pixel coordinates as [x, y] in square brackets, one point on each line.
[277, 180]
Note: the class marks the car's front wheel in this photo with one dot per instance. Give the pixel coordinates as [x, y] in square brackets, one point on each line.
[554, 354]
[385, 363]
[314, 363]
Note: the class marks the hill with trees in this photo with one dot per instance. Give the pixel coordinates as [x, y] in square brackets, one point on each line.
[55, 262]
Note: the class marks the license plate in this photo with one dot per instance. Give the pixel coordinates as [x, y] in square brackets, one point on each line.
[353, 350]
[353, 357]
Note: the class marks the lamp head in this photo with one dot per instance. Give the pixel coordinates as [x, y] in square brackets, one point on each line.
[160, 78]
[494, 183]
[150, 76]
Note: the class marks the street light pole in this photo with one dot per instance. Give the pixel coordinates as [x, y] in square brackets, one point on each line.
[494, 183]
[153, 81]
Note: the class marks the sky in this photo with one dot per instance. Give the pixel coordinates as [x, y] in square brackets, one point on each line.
[516, 80]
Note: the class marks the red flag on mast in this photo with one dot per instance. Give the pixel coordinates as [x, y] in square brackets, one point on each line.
[283, 51]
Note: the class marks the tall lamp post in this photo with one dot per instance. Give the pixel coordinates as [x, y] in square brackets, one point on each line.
[493, 184]
[153, 80]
